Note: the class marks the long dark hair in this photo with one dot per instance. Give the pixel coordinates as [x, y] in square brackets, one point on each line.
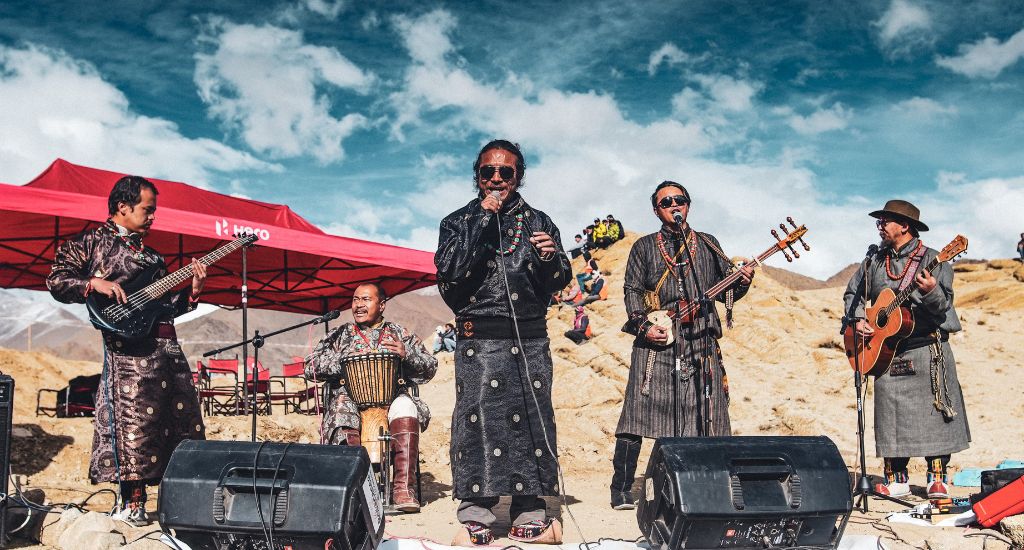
[504, 145]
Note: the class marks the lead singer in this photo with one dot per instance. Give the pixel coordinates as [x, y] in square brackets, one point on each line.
[498, 262]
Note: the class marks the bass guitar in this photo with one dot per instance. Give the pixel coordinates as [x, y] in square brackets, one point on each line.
[891, 321]
[146, 296]
[687, 311]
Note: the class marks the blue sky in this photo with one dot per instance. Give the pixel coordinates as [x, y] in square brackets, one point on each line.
[365, 117]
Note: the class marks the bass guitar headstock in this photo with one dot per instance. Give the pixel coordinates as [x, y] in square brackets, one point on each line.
[790, 239]
[246, 239]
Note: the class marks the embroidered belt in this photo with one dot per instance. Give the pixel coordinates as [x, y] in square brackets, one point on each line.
[500, 328]
[163, 330]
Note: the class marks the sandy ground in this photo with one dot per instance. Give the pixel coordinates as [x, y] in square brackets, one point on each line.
[787, 373]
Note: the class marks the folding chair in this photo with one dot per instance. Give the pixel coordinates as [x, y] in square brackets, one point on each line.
[259, 394]
[219, 391]
[303, 400]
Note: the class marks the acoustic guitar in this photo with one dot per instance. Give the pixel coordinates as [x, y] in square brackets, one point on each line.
[686, 311]
[891, 321]
[146, 294]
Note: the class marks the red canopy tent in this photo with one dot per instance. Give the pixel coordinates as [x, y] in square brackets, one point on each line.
[294, 267]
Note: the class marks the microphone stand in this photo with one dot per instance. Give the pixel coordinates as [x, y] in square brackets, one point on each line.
[864, 488]
[677, 346]
[703, 373]
[257, 341]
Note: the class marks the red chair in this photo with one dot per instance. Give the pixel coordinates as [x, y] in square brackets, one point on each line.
[219, 390]
[259, 394]
[303, 400]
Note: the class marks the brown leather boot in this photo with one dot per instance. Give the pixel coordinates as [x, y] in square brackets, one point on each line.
[405, 439]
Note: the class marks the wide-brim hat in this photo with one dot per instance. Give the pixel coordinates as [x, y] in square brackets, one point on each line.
[901, 210]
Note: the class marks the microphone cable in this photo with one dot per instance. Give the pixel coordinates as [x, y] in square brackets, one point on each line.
[533, 394]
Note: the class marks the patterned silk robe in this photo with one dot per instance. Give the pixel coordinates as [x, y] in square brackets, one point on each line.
[325, 363]
[658, 403]
[147, 402]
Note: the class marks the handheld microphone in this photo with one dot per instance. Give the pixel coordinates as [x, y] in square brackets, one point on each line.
[872, 250]
[678, 218]
[329, 316]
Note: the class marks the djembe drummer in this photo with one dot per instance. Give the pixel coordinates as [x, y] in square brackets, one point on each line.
[372, 336]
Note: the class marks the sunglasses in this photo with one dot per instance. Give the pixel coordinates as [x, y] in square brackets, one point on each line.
[880, 222]
[506, 173]
[678, 200]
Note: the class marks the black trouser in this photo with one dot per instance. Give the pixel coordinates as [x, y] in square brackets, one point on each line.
[627, 452]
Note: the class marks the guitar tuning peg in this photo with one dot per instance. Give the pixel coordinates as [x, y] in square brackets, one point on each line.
[791, 222]
[795, 253]
[806, 247]
[782, 226]
[776, 235]
[788, 257]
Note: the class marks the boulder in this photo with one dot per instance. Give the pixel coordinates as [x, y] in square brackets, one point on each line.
[55, 523]
[90, 530]
[1013, 528]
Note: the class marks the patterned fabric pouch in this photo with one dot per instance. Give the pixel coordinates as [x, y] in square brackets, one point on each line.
[902, 367]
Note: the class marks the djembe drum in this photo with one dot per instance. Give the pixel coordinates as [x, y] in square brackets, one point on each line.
[373, 380]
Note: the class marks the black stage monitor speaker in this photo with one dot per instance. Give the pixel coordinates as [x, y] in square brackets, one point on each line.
[312, 497]
[736, 492]
[6, 414]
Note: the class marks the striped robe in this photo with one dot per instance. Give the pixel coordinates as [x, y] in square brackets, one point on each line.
[655, 406]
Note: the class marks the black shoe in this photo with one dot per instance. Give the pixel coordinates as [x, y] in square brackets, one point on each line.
[623, 501]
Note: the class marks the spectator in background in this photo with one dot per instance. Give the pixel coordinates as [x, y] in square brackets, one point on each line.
[569, 295]
[580, 248]
[596, 285]
[588, 234]
[1020, 247]
[444, 340]
[615, 230]
[601, 233]
[587, 273]
[580, 327]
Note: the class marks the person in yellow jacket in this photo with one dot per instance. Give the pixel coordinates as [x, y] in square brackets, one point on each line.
[601, 233]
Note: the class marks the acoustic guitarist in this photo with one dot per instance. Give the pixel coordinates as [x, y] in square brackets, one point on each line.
[919, 407]
[147, 402]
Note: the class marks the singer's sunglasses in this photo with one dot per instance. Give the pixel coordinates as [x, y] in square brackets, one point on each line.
[506, 173]
[679, 200]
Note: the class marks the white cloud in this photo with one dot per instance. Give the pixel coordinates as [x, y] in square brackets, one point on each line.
[426, 37]
[371, 21]
[669, 54]
[57, 106]
[587, 158]
[986, 211]
[272, 87]
[325, 8]
[836, 117]
[731, 94]
[985, 58]
[904, 28]
[925, 108]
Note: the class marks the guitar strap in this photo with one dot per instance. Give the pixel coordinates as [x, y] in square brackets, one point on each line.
[729, 300]
[915, 264]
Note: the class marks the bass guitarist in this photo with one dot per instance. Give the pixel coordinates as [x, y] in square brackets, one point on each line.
[919, 407]
[147, 402]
